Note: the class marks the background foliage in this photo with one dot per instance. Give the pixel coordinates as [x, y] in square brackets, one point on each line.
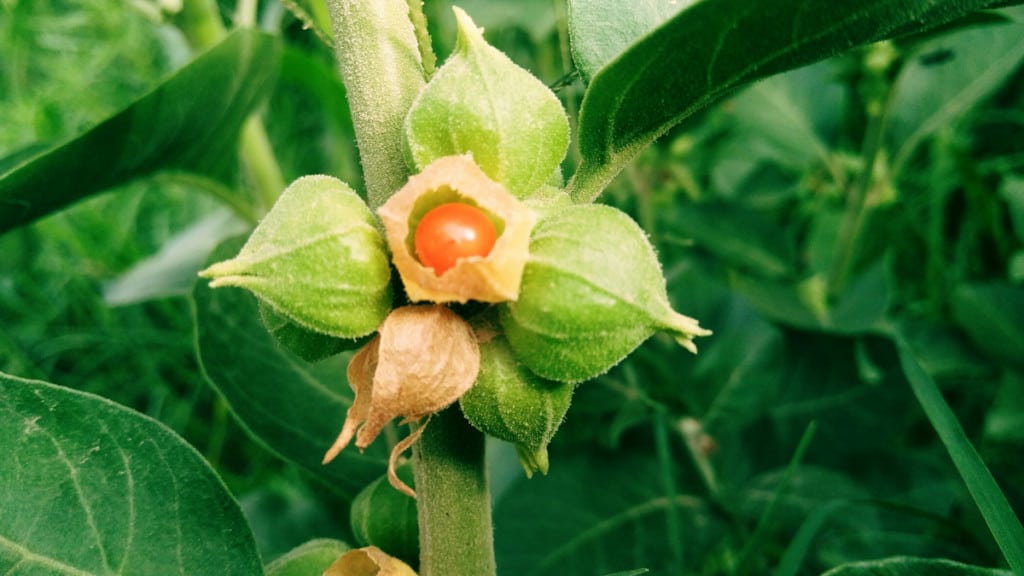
[808, 219]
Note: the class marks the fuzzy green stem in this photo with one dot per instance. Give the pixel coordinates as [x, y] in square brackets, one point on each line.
[379, 56]
[453, 499]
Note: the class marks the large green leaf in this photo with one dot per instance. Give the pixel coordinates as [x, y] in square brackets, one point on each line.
[172, 270]
[904, 566]
[710, 49]
[601, 29]
[295, 408]
[90, 487]
[991, 316]
[190, 123]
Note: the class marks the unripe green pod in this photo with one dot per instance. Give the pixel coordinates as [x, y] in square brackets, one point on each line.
[480, 102]
[309, 345]
[384, 517]
[592, 291]
[317, 259]
[511, 403]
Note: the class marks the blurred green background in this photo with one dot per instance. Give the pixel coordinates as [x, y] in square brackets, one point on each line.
[804, 220]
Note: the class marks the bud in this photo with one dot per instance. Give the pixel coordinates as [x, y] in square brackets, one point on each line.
[482, 103]
[423, 360]
[317, 259]
[493, 278]
[511, 403]
[369, 561]
[592, 291]
[383, 517]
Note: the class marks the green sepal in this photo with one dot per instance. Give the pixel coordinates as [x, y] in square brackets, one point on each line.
[511, 403]
[317, 259]
[592, 291]
[309, 345]
[384, 517]
[480, 102]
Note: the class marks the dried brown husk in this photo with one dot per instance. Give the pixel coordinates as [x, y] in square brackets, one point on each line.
[422, 360]
[494, 278]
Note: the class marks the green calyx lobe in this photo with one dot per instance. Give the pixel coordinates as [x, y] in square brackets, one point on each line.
[482, 103]
[513, 404]
[317, 260]
[384, 517]
[592, 291]
[309, 345]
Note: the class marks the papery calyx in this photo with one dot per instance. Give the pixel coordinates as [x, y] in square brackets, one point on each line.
[422, 360]
[495, 277]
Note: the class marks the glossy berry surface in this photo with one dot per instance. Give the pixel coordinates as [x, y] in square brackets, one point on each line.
[453, 231]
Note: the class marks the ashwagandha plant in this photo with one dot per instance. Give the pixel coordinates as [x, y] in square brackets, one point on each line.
[467, 294]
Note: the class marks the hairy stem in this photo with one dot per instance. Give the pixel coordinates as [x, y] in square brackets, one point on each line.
[453, 499]
[379, 56]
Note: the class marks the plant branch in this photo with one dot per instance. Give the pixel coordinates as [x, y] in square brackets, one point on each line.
[453, 498]
[858, 200]
[379, 55]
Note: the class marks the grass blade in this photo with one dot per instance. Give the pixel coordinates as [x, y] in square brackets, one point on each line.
[1004, 524]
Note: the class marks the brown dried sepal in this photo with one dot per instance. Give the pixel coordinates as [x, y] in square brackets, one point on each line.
[494, 278]
[368, 561]
[422, 360]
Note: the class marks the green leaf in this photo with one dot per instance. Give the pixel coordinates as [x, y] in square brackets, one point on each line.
[172, 270]
[189, 123]
[905, 566]
[1004, 421]
[929, 95]
[1012, 192]
[991, 315]
[707, 51]
[860, 308]
[91, 487]
[309, 559]
[294, 408]
[599, 30]
[611, 515]
[991, 502]
[748, 239]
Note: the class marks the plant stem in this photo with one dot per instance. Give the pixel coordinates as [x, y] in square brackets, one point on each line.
[674, 530]
[591, 178]
[261, 164]
[379, 55]
[453, 499]
[858, 202]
